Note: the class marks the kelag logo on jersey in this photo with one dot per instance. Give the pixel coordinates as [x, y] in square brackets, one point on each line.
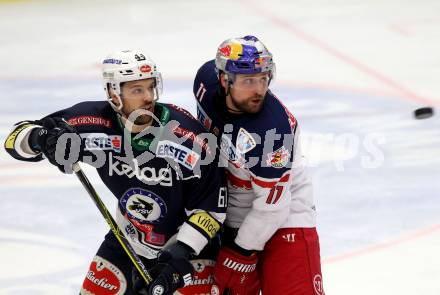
[101, 141]
[177, 152]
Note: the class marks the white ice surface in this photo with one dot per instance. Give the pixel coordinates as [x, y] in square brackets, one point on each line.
[351, 71]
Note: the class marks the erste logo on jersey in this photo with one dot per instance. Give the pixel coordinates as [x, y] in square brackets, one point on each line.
[203, 118]
[101, 141]
[177, 152]
[143, 206]
[278, 158]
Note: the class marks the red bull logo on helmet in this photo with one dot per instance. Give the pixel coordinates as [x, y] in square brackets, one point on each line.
[232, 51]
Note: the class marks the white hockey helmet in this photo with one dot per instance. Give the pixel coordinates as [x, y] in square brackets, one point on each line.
[128, 65]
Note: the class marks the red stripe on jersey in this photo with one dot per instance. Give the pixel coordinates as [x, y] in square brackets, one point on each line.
[269, 184]
[291, 117]
[238, 182]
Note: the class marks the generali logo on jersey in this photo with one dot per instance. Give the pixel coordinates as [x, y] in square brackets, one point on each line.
[89, 120]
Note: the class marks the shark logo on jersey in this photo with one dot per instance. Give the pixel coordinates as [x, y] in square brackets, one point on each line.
[245, 141]
[143, 206]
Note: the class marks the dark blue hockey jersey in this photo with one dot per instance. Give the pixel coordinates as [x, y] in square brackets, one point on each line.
[166, 178]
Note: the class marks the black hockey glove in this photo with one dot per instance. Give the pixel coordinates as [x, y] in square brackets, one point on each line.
[172, 271]
[45, 140]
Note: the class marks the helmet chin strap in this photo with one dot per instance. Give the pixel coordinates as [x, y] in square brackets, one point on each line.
[116, 108]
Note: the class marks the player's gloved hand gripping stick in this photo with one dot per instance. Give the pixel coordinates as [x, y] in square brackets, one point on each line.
[113, 225]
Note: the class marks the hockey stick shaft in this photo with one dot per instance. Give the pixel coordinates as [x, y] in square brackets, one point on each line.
[112, 223]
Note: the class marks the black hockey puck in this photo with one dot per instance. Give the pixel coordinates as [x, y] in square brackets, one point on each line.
[423, 113]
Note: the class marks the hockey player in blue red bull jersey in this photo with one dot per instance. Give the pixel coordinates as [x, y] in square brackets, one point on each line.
[153, 158]
[270, 241]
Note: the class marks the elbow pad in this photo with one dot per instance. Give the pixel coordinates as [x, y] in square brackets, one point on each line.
[17, 142]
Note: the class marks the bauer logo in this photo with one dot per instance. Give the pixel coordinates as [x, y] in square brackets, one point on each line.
[177, 152]
[101, 141]
[112, 61]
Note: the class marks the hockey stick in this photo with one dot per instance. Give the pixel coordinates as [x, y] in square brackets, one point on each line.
[112, 223]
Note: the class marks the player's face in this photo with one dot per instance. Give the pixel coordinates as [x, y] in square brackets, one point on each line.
[139, 96]
[247, 93]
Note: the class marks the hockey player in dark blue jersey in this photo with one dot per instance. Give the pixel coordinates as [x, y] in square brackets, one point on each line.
[270, 241]
[153, 158]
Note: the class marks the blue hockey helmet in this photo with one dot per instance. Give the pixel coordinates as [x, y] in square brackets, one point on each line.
[244, 55]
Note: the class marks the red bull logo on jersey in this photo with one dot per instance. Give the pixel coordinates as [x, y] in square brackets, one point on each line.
[178, 153]
[278, 158]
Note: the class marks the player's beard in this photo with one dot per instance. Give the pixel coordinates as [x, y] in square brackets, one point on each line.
[251, 105]
[142, 116]
[143, 119]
